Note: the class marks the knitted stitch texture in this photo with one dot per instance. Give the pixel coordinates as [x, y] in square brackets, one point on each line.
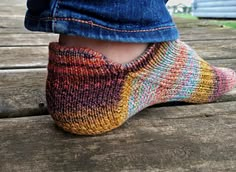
[87, 94]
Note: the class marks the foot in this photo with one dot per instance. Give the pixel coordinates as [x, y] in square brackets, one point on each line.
[88, 94]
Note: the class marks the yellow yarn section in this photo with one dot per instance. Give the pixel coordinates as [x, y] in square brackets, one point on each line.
[92, 124]
[205, 86]
[110, 117]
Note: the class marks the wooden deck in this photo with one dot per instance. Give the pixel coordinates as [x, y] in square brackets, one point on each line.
[169, 138]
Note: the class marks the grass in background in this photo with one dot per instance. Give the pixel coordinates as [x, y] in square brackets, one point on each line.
[186, 16]
[225, 23]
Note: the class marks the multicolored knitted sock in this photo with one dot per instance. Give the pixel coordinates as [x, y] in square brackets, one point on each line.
[87, 94]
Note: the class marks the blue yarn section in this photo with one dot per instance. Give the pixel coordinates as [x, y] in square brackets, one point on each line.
[189, 78]
[150, 82]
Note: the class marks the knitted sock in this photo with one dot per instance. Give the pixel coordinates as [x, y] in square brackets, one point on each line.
[87, 94]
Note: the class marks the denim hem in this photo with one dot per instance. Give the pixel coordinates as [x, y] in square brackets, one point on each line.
[90, 29]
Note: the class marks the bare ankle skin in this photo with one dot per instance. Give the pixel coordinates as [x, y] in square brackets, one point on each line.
[118, 52]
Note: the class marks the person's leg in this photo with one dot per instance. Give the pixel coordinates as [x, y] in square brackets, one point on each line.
[95, 79]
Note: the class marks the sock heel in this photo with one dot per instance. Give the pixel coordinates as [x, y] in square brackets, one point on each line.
[83, 93]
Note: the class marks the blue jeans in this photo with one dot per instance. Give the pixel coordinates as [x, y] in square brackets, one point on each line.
[142, 21]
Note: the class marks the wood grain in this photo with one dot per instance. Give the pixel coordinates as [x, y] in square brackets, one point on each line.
[17, 10]
[216, 49]
[22, 92]
[24, 40]
[28, 57]
[13, 2]
[12, 25]
[147, 142]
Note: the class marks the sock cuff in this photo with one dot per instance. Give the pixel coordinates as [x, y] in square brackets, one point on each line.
[73, 56]
[77, 56]
[62, 56]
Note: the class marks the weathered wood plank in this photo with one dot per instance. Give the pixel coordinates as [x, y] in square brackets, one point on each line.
[147, 142]
[12, 10]
[15, 57]
[194, 110]
[192, 23]
[13, 2]
[12, 25]
[39, 39]
[205, 34]
[189, 23]
[229, 63]
[23, 91]
[215, 49]
[203, 30]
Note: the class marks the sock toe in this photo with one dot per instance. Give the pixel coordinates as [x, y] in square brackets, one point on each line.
[225, 81]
